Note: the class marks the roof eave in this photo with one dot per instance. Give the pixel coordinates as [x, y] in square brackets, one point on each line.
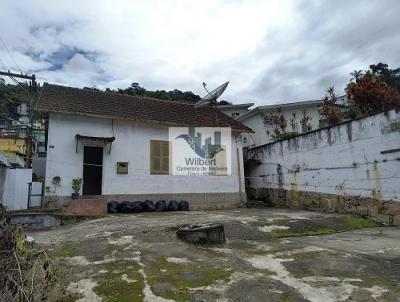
[246, 105]
[291, 105]
[248, 114]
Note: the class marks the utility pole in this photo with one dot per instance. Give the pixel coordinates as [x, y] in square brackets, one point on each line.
[32, 88]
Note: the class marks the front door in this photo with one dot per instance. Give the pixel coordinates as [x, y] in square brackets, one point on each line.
[92, 170]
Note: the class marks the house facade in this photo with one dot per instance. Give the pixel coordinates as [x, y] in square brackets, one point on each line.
[119, 147]
[234, 110]
[294, 114]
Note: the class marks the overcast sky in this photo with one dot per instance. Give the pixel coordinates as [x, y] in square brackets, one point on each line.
[270, 51]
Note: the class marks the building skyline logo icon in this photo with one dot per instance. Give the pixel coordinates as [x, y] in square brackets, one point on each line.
[211, 147]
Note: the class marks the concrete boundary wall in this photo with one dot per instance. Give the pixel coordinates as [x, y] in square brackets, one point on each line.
[351, 167]
[15, 188]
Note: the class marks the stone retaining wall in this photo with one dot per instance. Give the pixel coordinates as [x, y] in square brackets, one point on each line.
[387, 212]
[351, 167]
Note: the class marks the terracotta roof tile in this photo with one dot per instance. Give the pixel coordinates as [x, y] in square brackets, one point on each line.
[55, 98]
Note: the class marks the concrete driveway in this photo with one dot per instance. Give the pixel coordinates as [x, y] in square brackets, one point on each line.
[270, 255]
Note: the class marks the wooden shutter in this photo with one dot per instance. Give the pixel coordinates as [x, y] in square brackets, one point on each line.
[159, 157]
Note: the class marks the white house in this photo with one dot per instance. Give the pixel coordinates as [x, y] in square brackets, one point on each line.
[234, 110]
[293, 113]
[118, 146]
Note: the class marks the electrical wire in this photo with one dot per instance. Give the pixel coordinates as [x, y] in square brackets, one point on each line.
[2, 64]
[11, 56]
[11, 77]
[16, 81]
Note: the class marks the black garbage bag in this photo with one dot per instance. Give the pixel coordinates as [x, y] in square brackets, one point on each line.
[148, 206]
[138, 206]
[183, 205]
[173, 205]
[134, 207]
[160, 206]
[124, 207]
[112, 207]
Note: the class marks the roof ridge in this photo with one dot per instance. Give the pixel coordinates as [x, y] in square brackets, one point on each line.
[70, 100]
[120, 94]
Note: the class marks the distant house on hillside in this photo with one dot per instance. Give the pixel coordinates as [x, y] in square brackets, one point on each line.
[293, 113]
[119, 146]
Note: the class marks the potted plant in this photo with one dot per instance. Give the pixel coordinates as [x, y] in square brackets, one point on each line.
[76, 187]
[56, 182]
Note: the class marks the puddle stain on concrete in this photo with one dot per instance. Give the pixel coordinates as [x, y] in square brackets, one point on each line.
[178, 260]
[270, 228]
[123, 240]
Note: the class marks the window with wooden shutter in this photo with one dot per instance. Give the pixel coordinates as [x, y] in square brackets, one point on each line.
[159, 157]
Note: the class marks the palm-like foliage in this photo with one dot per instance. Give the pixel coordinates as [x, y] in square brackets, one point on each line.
[356, 75]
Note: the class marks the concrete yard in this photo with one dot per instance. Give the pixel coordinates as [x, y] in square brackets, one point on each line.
[270, 255]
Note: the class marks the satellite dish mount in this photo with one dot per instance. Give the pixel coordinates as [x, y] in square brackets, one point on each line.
[211, 97]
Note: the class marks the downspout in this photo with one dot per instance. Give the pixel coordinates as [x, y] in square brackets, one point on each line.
[239, 174]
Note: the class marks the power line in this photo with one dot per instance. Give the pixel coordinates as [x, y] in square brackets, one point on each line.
[15, 62]
[2, 64]
[9, 53]
[14, 75]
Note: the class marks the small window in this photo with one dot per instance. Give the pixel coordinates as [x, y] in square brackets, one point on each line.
[159, 157]
[235, 114]
[122, 167]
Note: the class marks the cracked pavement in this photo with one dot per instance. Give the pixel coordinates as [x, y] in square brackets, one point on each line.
[270, 255]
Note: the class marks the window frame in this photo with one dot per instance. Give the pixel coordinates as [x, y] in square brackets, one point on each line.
[161, 157]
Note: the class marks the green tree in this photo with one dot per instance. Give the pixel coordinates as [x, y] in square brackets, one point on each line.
[11, 96]
[330, 109]
[174, 95]
[371, 95]
[382, 72]
[356, 75]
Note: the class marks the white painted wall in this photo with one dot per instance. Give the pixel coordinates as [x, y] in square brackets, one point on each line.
[132, 144]
[261, 135]
[15, 188]
[344, 159]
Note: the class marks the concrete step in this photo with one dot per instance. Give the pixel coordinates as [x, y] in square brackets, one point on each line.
[43, 220]
[37, 210]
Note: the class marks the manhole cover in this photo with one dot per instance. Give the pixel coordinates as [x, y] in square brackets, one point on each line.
[208, 233]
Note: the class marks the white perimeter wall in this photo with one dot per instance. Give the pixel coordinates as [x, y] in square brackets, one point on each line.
[344, 159]
[132, 144]
[15, 188]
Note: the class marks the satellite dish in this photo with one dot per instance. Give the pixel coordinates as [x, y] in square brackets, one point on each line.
[211, 96]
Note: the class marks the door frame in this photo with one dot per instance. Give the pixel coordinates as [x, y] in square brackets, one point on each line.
[88, 144]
